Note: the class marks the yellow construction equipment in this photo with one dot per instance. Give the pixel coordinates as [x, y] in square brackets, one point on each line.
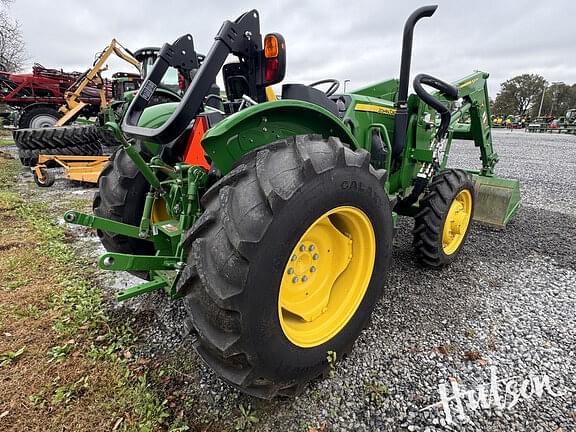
[78, 168]
[93, 77]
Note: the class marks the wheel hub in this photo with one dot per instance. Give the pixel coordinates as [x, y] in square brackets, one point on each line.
[326, 276]
[42, 121]
[456, 222]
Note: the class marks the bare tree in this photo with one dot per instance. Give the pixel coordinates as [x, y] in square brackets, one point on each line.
[12, 48]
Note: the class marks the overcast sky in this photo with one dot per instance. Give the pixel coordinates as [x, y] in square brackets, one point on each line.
[355, 40]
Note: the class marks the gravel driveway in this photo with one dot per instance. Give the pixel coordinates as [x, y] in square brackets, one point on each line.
[507, 307]
[504, 313]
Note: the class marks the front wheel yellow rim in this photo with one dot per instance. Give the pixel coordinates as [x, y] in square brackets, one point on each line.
[326, 276]
[456, 222]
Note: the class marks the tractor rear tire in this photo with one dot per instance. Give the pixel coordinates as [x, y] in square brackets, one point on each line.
[450, 192]
[240, 249]
[65, 140]
[40, 116]
[121, 194]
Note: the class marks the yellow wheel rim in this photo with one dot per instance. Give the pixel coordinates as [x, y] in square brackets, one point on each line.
[326, 276]
[159, 211]
[457, 221]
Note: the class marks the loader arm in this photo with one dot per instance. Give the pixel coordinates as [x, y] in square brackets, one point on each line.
[474, 91]
[497, 198]
[73, 105]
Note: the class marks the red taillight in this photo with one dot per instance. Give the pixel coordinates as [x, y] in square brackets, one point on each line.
[274, 55]
[194, 153]
[271, 70]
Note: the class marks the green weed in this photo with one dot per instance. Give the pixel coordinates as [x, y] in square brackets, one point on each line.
[59, 353]
[65, 394]
[30, 311]
[10, 357]
[376, 391]
[247, 418]
[331, 359]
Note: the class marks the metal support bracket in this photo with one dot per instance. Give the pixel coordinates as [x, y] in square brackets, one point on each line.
[125, 262]
[96, 222]
[155, 284]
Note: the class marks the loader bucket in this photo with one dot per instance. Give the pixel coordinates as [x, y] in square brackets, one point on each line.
[497, 199]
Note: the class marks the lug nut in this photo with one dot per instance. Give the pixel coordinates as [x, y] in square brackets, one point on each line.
[316, 256]
[311, 248]
[304, 278]
[294, 258]
[290, 270]
[302, 248]
[295, 279]
[312, 269]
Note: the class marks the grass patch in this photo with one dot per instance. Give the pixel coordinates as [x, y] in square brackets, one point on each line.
[8, 173]
[63, 358]
[5, 137]
[5, 142]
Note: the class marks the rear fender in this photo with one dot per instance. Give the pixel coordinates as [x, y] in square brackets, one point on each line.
[264, 123]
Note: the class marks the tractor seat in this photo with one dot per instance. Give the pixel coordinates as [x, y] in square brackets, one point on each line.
[309, 94]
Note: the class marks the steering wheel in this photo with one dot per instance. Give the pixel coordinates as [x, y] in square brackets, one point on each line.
[335, 85]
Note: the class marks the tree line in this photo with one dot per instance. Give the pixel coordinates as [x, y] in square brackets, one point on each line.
[12, 52]
[531, 95]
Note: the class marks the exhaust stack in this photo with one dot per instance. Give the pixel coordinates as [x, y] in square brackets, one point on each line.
[401, 118]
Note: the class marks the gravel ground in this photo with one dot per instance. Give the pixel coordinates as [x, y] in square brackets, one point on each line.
[506, 307]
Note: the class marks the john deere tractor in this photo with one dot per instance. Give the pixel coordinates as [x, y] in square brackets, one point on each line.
[272, 219]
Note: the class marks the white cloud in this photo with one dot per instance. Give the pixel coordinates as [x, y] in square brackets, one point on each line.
[357, 40]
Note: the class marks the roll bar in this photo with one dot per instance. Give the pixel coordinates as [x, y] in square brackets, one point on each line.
[240, 38]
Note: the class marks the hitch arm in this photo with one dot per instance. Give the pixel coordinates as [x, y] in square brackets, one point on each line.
[96, 222]
[125, 262]
[158, 282]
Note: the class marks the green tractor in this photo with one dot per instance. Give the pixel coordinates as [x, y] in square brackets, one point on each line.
[273, 219]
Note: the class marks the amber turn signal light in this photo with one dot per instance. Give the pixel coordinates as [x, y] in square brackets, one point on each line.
[271, 46]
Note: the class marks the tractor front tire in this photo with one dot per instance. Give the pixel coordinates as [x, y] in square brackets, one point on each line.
[121, 194]
[287, 263]
[443, 222]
